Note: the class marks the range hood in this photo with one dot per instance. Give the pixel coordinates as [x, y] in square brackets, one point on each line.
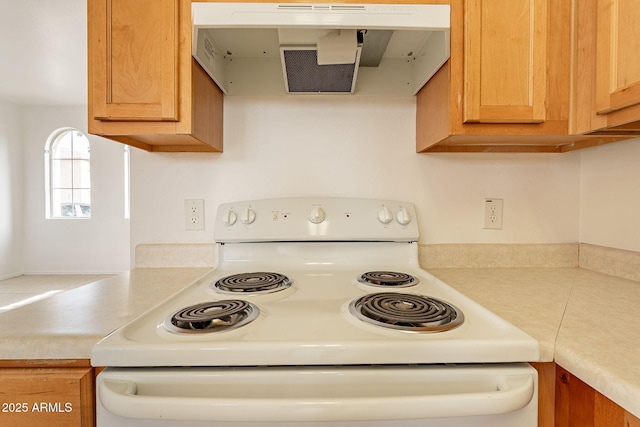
[292, 48]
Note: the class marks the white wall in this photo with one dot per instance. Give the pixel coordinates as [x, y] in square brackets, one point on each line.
[99, 244]
[610, 195]
[11, 190]
[354, 147]
[298, 146]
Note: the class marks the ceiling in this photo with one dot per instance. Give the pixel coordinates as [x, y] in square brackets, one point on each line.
[43, 52]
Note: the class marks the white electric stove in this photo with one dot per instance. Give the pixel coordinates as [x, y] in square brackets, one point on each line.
[317, 313]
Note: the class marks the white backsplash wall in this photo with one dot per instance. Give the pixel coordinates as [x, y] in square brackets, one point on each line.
[299, 146]
[610, 195]
[354, 147]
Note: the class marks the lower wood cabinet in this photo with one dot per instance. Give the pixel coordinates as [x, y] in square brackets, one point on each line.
[48, 397]
[579, 405]
[566, 401]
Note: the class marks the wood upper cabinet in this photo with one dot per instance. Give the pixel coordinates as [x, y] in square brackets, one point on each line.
[506, 84]
[505, 61]
[607, 67]
[136, 47]
[509, 85]
[145, 89]
[618, 64]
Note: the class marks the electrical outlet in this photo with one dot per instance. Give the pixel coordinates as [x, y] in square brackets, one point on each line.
[493, 214]
[194, 214]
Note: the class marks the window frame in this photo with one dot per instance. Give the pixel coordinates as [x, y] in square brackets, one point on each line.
[49, 149]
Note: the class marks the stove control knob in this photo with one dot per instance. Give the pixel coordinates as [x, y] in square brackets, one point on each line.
[229, 218]
[403, 217]
[385, 215]
[317, 215]
[248, 216]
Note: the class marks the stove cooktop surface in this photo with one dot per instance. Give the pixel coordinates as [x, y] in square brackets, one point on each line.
[310, 323]
[295, 301]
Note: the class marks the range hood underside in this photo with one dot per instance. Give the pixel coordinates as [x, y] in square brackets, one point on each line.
[368, 49]
[247, 61]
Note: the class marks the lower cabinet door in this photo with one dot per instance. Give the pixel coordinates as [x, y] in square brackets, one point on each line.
[49, 397]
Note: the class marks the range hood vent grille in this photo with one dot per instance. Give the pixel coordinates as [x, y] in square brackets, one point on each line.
[302, 73]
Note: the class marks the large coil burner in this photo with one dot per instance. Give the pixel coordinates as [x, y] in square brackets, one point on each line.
[406, 312]
[388, 279]
[212, 316]
[260, 282]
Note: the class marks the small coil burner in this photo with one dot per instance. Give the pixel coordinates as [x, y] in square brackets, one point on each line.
[388, 279]
[213, 316]
[406, 312]
[256, 283]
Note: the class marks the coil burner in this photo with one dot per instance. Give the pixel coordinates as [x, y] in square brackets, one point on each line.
[388, 279]
[406, 312]
[260, 282]
[213, 316]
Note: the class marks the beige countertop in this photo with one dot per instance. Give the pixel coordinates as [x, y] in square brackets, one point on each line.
[68, 324]
[585, 321]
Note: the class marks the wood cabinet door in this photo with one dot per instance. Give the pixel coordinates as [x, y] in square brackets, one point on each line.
[505, 61]
[133, 59]
[51, 397]
[617, 59]
[579, 405]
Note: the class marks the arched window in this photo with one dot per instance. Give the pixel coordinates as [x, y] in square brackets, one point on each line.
[68, 174]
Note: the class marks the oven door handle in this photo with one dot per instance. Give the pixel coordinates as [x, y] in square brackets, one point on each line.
[126, 399]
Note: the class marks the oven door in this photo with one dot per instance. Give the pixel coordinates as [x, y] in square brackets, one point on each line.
[431, 395]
